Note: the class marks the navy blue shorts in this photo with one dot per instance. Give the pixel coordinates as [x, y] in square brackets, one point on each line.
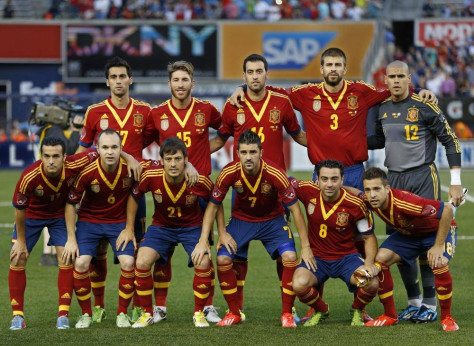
[409, 248]
[33, 227]
[163, 239]
[275, 235]
[89, 235]
[342, 269]
[352, 176]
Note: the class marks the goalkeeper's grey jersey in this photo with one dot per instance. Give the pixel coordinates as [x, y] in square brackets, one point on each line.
[408, 129]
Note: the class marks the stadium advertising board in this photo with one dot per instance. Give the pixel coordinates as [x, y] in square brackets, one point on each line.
[457, 29]
[294, 50]
[458, 109]
[148, 49]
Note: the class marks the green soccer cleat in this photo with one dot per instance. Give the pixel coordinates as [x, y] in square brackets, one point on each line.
[98, 314]
[122, 321]
[84, 322]
[357, 318]
[145, 320]
[316, 318]
[199, 319]
[136, 313]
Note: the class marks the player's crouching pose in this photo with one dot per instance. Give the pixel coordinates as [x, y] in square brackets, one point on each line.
[39, 201]
[177, 219]
[333, 215]
[257, 214]
[104, 187]
[421, 225]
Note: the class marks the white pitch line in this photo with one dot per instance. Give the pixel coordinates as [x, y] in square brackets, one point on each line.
[468, 197]
[6, 204]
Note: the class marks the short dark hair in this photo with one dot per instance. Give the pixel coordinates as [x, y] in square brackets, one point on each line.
[117, 62]
[109, 132]
[171, 146]
[254, 58]
[52, 142]
[374, 173]
[181, 65]
[330, 164]
[335, 53]
[249, 137]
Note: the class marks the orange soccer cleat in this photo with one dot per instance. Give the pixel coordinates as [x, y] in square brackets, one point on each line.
[449, 324]
[229, 320]
[382, 321]
[288, 320]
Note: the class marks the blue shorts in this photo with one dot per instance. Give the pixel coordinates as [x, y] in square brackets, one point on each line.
[163, 239]
[139, 219]
[275, 235]
[342, 268]
[409, 248]
[352, 176]
[33, 227]
[90, 234]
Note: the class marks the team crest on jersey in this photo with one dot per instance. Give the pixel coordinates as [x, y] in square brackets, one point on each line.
[316, 105]
[275, 116]
[342, 219]
[158, 196]
[238, 187]
[190, 199]
[402, 222]
[104, 122]
[138, 120]
[240, 116]
[311, 208]
[165, 124]
[412, 115]
[352, 102]
[39, 191]
[266, 189]
[127, 182]
[199, 119]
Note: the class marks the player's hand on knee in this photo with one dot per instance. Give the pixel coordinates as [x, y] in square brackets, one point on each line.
[124, 238]
[225, 239]
[18, 249]
[200, 250]
[435, 256]
[236, 96]
[70, 252]
[308, 258]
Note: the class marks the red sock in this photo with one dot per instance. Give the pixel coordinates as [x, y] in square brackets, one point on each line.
[210, 299]
[386, 291]
[228, 283]
[17, 285]
[82, 287]
[65, 288]
[126, 290]
[144, 289]
[98, 274]
[287, 293]
[279, 269]
[201, 287]
[363, 298]
[240, 268]
[311, 297]
[444, 288]
[162, 277]
[360, 246]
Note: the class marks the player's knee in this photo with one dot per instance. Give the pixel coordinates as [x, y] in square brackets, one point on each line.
[289, 256]
[127, 262]
[223, 260]
[21, 261]
[82, 264]
[143, 263]
[300, 282]
[373, 284]
[205, 263]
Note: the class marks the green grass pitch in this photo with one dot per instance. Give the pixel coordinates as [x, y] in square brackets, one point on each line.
[262, 300]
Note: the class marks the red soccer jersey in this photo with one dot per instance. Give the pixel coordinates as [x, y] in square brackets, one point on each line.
[331, 225]
[45, 197]
[105, 194]
[267, 118]
[410, 214]
[129, 122]
[175, 205]
[336, 122]
[259, 197]
[191, 125]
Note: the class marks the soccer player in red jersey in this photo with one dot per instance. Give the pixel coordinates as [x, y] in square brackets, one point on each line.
[421, 225]
[39, 200]
[189, 119]
[333, 215]
[258, 214]
[177, 219]
[102, 188]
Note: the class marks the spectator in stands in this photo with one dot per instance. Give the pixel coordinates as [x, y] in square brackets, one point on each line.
[354, 12]
[231, 10]
[323, 10]
[274, 14]
[101, 8]
[3, 135]
[428, 9]
[261, 9]
[448, 86]
[338, 9]
[8, 11]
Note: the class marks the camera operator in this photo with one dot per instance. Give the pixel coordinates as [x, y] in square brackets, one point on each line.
[69, 135]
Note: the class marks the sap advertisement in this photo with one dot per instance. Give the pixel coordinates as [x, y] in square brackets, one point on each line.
[293, 51]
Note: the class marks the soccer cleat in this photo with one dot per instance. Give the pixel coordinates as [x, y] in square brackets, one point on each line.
[145, 320]
[199, 319]
[242, 315]
[136, 313]
[295, 315]
[62, 322]
[122, 321]
[449, 324]
[382, 321]
[424, 315]
[288, 320]
[229, 320]
[18, 323]
[408, 313]
[308, 314]
[84, 322]
[211, 314]
[159, 313]
[98, 314]
[316, 318]
[357, 318]
[366, 317]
